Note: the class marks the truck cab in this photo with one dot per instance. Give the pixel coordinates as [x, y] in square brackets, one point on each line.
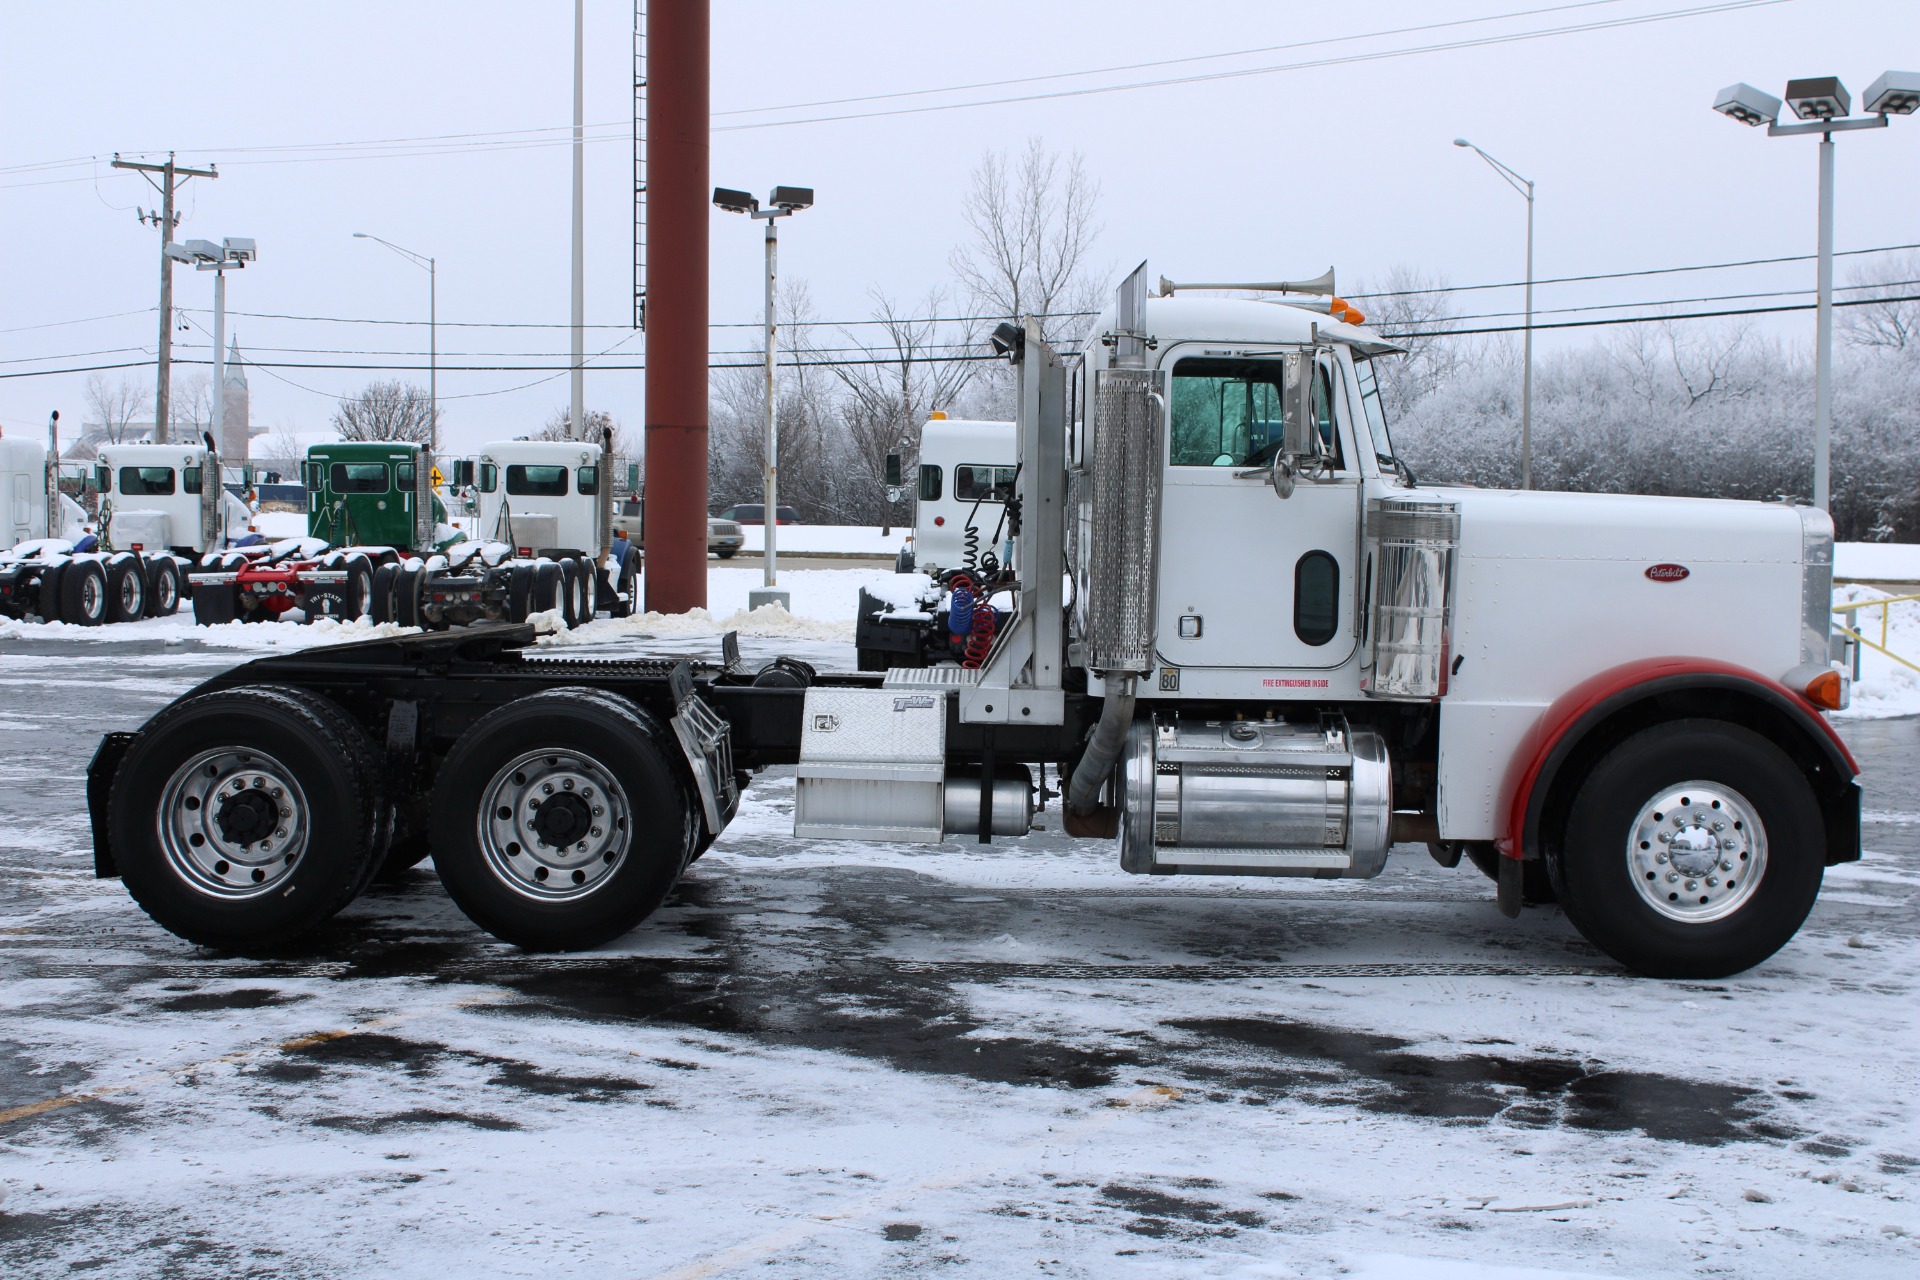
[374, 494]
[160, 497]
[539, 496]
[965, 478]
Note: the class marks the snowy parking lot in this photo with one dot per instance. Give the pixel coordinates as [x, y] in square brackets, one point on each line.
[852, 1059]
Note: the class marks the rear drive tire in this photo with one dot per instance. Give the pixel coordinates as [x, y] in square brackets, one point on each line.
[547, 586]
[163, 587]
[381, 601]
[1694, 849]
[84, 593]
[560, 821]
[48, 604]
[519, 591]
[406, 595]
[570, 592]
[243, 818]
[358, 587]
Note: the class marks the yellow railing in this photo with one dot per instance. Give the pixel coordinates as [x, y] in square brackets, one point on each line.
[1854, 631]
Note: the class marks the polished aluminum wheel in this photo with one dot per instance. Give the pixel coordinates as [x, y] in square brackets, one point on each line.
[554, 825]
[93, 596]
[1697, 851]
[233, 823]
[133, 594]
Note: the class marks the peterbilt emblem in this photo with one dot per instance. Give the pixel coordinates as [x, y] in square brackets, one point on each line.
[1667, 572]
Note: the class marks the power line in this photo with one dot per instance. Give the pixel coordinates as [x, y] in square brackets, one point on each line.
[640, 366]
[618, 131]
[1162, 62]
[1342, 60]
[1623, 275]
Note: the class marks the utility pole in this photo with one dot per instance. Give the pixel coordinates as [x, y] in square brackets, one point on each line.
[576, 419]
[172, 175]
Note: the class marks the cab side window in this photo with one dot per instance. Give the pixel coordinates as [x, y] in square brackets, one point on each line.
[929, 483]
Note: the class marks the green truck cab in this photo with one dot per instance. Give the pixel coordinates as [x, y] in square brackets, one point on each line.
[375, 494]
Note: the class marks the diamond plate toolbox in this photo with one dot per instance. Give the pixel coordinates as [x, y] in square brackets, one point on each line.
[872, 764]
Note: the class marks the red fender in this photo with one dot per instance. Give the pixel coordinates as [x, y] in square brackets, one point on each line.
[1618, 686]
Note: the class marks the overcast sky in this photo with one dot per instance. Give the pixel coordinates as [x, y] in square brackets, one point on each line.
[1245, 177]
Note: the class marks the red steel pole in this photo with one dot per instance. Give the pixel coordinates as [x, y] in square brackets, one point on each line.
[678, 192]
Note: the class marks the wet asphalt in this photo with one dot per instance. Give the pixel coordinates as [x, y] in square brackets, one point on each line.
[969, 964]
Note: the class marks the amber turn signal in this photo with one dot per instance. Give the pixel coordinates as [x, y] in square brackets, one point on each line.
[1828, 690]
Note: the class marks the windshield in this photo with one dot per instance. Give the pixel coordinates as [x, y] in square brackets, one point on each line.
[146, 482]
[536, 482]
[974, 482]
[1376, 412]
[1226, 412]
[358, 477]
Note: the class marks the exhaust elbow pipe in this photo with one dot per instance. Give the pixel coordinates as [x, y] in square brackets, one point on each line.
[1109, 737]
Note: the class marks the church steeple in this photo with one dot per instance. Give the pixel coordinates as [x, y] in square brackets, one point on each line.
[235, 429]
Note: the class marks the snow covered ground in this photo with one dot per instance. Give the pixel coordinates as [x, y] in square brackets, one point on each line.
[864, 1060]
[844, 1059]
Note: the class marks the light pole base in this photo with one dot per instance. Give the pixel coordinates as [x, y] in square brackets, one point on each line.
[767, 595]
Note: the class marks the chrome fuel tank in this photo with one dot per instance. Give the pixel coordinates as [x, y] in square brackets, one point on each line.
[1255, 797]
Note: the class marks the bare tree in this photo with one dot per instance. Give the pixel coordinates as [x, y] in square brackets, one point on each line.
[905, 372]
[1887, 322]
[1415, 310]
[386, 411]
[1032, 222]
[115, 403]
[559, 422]
[811, 478]
[190, 407]
[280, 453]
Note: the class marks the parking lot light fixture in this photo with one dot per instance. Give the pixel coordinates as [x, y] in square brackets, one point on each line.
[781, 203]
[1822, 103]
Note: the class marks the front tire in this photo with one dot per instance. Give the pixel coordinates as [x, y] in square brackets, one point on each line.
[1695, 849]
[241, 819]
[560, 821]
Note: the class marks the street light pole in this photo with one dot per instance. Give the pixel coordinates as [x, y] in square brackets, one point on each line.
[783, 202]
[770, 466]
[432, 268]
[1823, 337]
[1822, 102]
[1525, 188]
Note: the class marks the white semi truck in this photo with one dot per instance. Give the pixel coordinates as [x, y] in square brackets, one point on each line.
[542, 541]
[1271, 652]
[160, 506]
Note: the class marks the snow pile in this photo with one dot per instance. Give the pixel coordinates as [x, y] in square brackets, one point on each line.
[766, 621]
[1885, 687]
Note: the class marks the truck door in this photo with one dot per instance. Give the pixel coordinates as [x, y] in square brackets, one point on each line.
[1248, 579]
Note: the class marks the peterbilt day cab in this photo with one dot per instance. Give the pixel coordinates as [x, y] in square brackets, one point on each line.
[1233, 633]
[161, 505]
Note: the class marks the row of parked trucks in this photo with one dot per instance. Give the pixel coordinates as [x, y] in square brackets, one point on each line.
[1224, 625]
[379, 543]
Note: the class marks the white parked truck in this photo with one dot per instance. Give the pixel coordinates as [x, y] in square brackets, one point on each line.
[155, 515]
[542, 541]
[1273, 652]
[965, 477]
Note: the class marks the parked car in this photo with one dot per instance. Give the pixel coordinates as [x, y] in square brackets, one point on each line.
[756, 513]
[723, 535]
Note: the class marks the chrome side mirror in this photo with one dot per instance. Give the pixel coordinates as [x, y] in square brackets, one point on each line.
[1281, 476]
